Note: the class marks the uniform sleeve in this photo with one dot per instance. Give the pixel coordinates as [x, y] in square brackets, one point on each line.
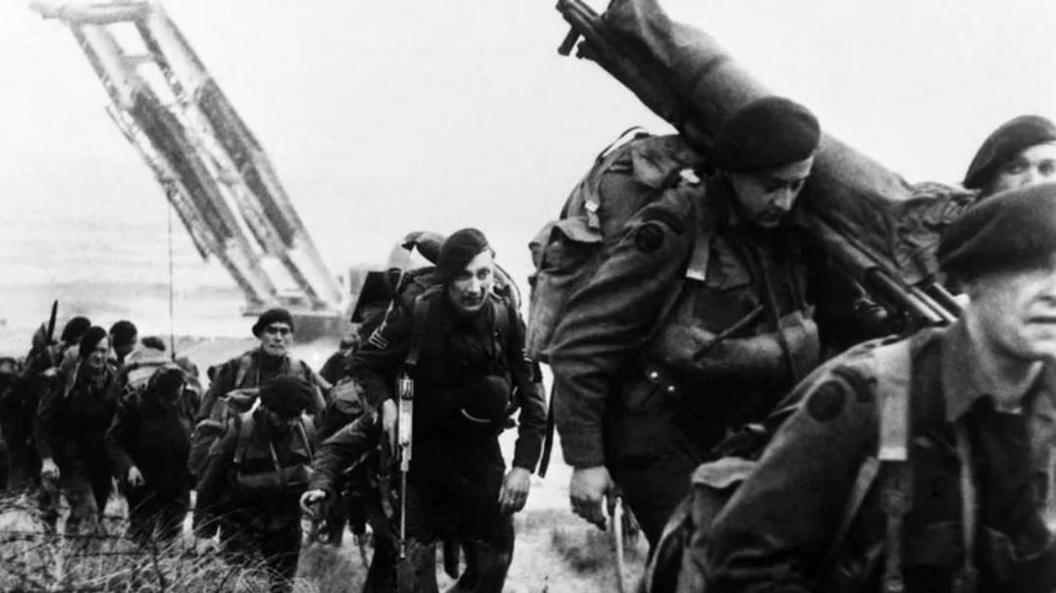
[775, 532]
[213, 481]
[381, 356]
[608, 321]
[341, 450]
[123, 425]
[531, 425]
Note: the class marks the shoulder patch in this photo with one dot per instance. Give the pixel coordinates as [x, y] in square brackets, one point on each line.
[649, 238]
[827, 401]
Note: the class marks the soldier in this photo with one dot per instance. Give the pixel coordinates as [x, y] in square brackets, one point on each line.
[699, 321]
[961, 512]
[123, 337]
[274, 328]
[70, 426]
[1020, 152]
[148, 443]
[253, 480]
[465, 343]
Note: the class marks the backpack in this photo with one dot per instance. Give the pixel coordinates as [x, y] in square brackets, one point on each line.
[677, 565]
[239, 400]
[628, 175]
[279, 479]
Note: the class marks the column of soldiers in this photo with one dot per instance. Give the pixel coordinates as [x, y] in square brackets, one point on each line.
[711, 311]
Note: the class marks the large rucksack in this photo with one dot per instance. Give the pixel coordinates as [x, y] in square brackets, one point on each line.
[629, 174]
[278, 478]
[239, 400]
[678, 564]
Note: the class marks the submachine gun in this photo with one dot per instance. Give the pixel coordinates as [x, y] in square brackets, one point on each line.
[879, 228]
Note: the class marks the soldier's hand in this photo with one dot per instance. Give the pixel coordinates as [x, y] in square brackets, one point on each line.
[311, 498]
[135, 478]
[389, 415]
[514, 492]
[588, 488]
[48, 470]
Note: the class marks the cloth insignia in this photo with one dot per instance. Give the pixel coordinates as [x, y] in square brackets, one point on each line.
[649, 238]
[826, 402]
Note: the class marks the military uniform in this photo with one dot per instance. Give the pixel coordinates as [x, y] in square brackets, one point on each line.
[251, 370]
[250, 490]
[70, 429]
[775, 533]
[695, 323]
[153, 436]
[457, 468]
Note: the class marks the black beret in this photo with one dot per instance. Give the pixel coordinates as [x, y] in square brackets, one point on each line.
[74, 329]
[487, 401]
[286, 395]
[91, 338]
[123, 333]
[1010, 230]
[276, 315]
[457, 251]
[1008, 140]
[764, 134]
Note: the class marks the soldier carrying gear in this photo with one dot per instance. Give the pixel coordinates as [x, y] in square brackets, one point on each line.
[236, 383]
[700, 319]
[148, 443]
[71, 422]
[253, 478]
[463, 346]
[961, 511]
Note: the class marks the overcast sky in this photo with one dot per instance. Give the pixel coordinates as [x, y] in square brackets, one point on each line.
[382, 117]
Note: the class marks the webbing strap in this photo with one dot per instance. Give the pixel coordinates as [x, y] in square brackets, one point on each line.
[420, 317]
[893, 372]
[965, 581]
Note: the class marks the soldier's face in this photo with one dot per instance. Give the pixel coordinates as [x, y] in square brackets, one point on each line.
[275, 338]
[1032, 166]
[469, 289]
[98, 356]
[767, 197]
[1017, 310]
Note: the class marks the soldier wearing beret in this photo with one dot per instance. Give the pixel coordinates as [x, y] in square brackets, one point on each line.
[274, 328]
[469, 373]
[1021, 152]
[959, 510]
[254, 477]
[700, 319]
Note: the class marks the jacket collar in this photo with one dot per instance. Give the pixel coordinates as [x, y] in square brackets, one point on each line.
[963, 382]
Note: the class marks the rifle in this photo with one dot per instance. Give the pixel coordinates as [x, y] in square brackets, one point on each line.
[630, 63]
[404, 430]
[49, 335]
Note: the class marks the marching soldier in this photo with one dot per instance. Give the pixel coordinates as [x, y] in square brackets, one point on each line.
[254, 477]
[959, 509]
[700, 320]
[463, 345]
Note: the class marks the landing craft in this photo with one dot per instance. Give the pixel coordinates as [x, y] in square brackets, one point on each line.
[212, 169]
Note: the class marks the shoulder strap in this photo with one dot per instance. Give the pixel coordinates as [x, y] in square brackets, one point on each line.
[893, 367]
[419, 322]
[244, 363]
[244, 427]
